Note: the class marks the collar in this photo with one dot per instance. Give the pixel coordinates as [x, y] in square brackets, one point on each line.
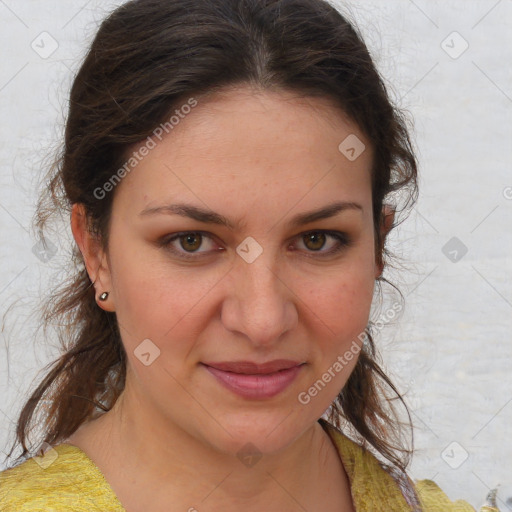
[372, 487]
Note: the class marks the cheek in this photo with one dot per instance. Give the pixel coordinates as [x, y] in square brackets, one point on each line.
[161, 305]
[168, 307]
[340, 307]
[342, 301]
[153, 296]
[339, 313]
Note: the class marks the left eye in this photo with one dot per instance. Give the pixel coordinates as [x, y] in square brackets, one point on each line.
[317, 240]
[314, 241]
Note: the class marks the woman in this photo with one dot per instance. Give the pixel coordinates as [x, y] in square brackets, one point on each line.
[230, 169]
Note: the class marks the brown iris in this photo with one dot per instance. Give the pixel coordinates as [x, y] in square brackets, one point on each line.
[193, 240]
[316, 239]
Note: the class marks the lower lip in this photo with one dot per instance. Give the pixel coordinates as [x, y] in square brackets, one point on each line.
[256, 386]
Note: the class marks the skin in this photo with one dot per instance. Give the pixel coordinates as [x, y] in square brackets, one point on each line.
[259, 159]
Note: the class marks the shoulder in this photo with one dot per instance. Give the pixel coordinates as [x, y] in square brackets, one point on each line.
[64, 479]
[433, 498]
[372, 484]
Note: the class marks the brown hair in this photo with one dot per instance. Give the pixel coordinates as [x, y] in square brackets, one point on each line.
[147, 58]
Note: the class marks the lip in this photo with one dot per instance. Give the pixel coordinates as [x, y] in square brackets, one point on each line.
[251, 368]
[255, 381]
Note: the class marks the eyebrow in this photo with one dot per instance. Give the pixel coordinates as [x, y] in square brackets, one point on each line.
[211, 217]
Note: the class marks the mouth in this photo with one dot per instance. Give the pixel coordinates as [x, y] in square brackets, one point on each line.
[255, 381]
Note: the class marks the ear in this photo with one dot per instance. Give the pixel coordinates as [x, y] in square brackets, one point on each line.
[387, 219]
[95, 258]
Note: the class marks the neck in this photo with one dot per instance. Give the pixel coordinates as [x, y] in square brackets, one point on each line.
[184, 470]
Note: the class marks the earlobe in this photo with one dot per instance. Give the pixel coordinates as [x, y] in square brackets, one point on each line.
[94, 256]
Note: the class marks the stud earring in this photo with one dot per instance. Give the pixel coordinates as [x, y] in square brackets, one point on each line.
[104, 296]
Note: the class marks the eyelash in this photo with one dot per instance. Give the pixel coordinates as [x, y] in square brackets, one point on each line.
[342, 239]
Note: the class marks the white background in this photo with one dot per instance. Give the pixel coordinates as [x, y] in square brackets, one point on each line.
[451, 350]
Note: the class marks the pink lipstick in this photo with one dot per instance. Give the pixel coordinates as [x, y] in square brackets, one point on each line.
[255, 381]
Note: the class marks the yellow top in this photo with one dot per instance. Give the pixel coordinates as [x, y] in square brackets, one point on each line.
[66, 480]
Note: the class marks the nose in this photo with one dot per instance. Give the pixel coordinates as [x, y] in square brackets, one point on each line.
[260, 304]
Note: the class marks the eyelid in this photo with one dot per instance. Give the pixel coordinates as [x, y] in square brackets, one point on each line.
[166, 241]
[343, 241]
[342, 238]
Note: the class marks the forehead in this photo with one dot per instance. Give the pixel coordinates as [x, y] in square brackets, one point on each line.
[278, 119]
[242, 143]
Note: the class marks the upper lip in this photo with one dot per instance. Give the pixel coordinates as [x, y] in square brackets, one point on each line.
[251, 368]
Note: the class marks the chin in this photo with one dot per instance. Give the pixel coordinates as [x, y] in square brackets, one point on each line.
[261, 433]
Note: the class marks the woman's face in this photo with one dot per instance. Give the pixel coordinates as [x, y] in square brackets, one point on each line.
[263, 286]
